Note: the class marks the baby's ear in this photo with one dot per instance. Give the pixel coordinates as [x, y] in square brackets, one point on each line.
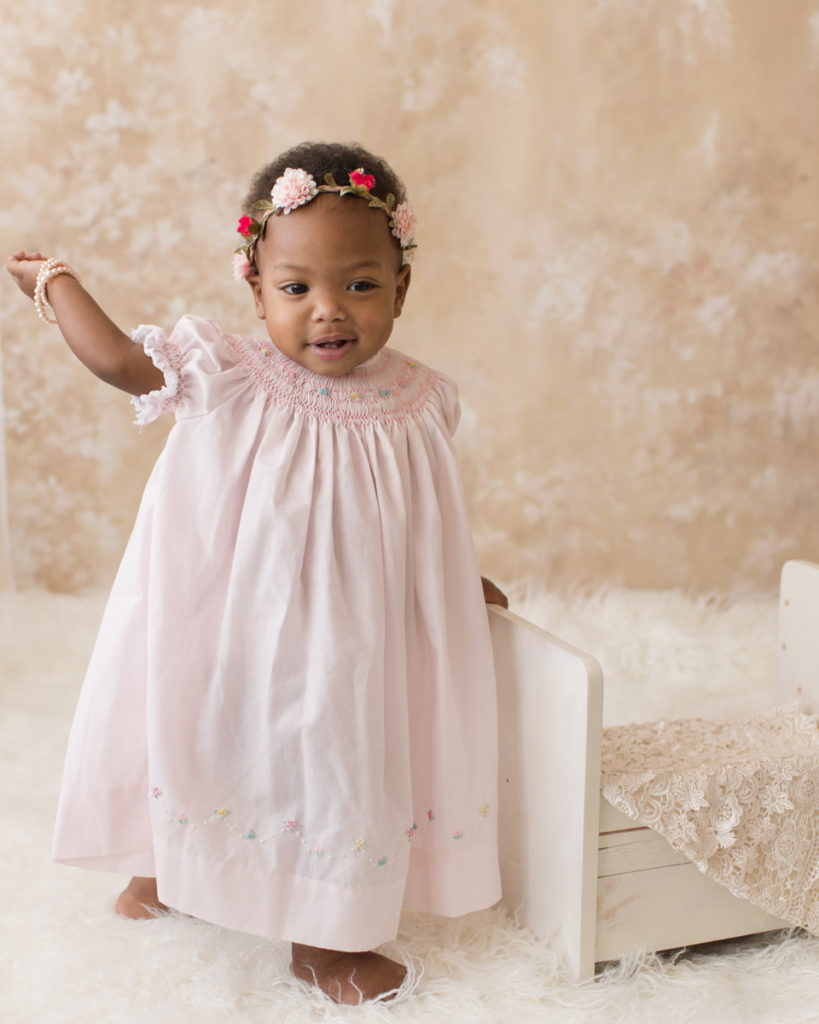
[256, 287]
[402, 286]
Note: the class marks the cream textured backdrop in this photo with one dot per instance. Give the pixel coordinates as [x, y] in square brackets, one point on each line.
[618, 257]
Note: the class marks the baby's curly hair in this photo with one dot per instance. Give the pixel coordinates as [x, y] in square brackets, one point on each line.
[320, 158]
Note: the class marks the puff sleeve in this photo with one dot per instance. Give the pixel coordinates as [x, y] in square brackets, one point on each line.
[200, 369]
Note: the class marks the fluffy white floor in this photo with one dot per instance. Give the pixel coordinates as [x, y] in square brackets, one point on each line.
[67, 959]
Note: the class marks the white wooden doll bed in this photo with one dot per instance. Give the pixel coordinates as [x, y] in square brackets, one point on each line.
[576, 871]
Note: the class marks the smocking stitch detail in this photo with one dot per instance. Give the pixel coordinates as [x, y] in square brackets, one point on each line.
[291, 827]
[387, 388]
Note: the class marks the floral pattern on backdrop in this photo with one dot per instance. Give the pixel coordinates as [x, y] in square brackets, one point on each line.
[617, 255]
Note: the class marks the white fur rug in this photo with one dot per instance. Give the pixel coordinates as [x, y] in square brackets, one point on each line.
[67, 959]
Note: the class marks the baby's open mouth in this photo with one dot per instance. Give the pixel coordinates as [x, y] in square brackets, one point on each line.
[332, 348]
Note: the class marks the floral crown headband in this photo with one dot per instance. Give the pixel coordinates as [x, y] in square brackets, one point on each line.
[296, 187]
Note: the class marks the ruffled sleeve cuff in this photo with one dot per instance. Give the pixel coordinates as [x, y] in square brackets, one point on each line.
[167, 358]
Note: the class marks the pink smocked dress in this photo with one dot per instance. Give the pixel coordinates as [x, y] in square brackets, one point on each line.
[289, 717]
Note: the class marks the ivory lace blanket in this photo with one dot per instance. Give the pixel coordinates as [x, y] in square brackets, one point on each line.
[739, 798]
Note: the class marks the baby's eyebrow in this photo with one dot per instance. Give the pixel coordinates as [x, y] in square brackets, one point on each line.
[349, 268]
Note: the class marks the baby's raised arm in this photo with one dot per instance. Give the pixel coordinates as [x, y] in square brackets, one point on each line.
[95, 339]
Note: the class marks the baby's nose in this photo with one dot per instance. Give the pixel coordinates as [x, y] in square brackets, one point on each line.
[329, 306]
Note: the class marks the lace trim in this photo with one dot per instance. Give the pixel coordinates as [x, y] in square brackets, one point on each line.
[388, 388]
[738, 798]
[291, 830]
[168, 359]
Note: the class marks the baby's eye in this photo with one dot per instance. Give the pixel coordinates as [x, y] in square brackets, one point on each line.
[362, 286]
[295, 288]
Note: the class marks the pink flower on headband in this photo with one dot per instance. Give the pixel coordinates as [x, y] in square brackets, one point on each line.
[360, 178]
[293, 189]
[403, 224]
[241, 266]
[244, 226]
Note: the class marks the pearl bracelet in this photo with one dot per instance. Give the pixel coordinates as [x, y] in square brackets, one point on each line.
[50, 269]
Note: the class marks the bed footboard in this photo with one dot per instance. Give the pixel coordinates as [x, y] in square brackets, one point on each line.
[550, 707]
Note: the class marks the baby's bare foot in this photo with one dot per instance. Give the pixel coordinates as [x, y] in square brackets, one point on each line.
[139, 899]
[347, 977]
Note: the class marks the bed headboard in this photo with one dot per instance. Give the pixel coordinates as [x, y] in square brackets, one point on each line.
[797, 660]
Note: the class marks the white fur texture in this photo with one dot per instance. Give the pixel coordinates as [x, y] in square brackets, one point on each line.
[68, 959]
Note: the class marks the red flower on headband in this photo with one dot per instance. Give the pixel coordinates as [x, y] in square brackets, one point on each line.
[244, 226]
[360, 178]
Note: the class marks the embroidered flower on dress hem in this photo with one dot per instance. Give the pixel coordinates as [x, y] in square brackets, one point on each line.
[293, 827]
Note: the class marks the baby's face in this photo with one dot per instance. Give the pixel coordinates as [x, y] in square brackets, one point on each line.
[330, 283]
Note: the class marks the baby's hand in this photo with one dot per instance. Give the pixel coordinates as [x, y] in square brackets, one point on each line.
[24, 267]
